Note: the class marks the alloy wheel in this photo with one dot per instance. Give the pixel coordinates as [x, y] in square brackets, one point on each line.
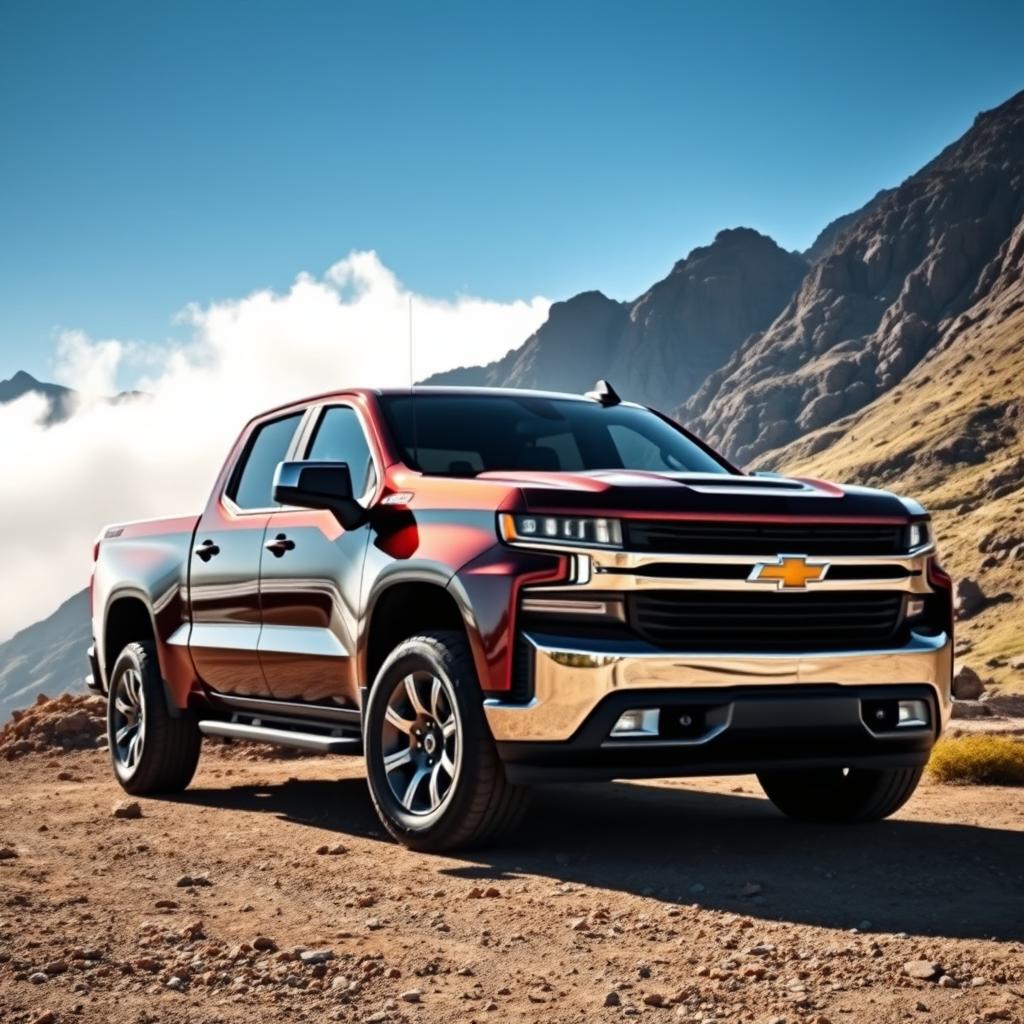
[421, 742]
[128, 720]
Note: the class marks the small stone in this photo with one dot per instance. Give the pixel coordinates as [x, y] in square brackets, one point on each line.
[129, 809]
[265, 944]
[46, 1017]
[55, 967]
[414, 995]
[613, 999]
[654, 999]
[921, 1007]
[38, 978]
[165, 905]
[491, 893]
[977, 982]
[176, 983]
[579, 924]
[762, 949]
[947, 982]
[7, 853]
[492, 1005]
[923, 970]
[316, 956]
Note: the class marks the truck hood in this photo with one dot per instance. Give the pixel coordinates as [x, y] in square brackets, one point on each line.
[633, 492]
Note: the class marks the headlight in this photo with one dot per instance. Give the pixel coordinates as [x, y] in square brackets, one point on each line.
[919, 535]
[566, 531]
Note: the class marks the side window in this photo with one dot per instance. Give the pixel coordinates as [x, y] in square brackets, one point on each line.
[252, 483]
[339, 437]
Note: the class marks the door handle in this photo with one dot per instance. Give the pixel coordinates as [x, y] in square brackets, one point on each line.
[279, 545]
[207, 550]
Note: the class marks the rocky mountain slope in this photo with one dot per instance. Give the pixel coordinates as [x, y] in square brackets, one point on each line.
[659, 348]
[47, 657]
[59, 399]
[952, 433]
[879, 300]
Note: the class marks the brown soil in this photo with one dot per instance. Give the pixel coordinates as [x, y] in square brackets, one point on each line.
[682, 901]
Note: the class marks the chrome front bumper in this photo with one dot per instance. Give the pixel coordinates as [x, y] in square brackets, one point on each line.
[572, 679]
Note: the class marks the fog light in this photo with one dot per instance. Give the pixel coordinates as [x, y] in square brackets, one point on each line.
[638, 722]
[912, 713]
[915, 607]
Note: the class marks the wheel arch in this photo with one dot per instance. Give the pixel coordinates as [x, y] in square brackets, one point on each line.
[128, 618]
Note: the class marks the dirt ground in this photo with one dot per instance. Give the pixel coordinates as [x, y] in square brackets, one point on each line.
[681, 901]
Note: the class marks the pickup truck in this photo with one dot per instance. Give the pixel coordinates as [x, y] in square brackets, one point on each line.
[480, 590]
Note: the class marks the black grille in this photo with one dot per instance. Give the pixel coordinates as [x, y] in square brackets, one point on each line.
[733, 538]
[695, 620]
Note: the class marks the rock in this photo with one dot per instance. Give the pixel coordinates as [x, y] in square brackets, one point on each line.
[969, 598]
[316, 956]
[38, 978]
[193, 881]
[922, 970]
[129, 809]
[971, 709]
[654, 999]
[612, 999]
[762, 949]
[46, 1017]
[967, 684]
[176, 983]
[55, 967]
[413, 995]
[264, 944]
[7, 853]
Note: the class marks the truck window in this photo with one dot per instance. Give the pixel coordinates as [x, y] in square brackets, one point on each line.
[252, 482]
[466, 434]
[339, 437]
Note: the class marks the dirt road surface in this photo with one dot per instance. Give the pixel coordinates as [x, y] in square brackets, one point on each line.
[683, 901]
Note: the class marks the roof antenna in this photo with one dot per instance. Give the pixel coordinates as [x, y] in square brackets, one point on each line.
[604, 393]
[412, 392]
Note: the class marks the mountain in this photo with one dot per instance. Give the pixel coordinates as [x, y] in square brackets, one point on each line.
[660, 347]
[61, 400]
[830, 233]
[952, 434]
[47, 657]
[878, 300]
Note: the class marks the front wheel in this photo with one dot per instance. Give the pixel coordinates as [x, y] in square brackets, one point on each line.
[840, 794]
[151, 751]
[434, 773]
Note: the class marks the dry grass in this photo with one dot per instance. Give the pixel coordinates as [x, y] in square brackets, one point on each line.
[981, 760]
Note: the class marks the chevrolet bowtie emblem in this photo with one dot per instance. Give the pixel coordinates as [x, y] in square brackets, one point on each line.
[789, 572]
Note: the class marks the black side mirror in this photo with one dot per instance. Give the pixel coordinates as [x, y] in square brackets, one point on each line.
[326, 485]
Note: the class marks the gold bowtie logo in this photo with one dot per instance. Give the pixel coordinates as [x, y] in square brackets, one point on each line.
[789, 572]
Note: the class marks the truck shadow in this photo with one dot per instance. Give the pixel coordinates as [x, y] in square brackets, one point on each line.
[685, 846]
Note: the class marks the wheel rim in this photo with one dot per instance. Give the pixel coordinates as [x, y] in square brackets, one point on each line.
[422, 742]
[128, 719]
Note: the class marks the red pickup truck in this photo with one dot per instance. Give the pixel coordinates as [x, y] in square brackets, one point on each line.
[480, 590]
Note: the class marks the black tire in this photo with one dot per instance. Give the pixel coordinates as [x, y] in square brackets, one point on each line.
[168, 748]
[840, 795]
[480, 805]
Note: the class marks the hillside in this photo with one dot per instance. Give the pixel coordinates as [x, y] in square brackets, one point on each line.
[952, 433]
[46, 657]
[879, 300]
[59, 399]
[659, 348]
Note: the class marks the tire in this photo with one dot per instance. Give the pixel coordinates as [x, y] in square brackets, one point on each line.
[839, 795]
[462, 797]
[160, 753]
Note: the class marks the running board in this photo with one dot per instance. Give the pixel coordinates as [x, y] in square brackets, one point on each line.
[282, 737]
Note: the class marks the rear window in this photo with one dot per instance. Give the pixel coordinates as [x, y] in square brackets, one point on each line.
[462, 435]
[252, 483]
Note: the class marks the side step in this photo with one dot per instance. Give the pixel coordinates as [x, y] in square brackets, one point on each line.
[282, 737]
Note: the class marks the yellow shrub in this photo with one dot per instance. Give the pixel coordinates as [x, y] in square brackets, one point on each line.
[991, 760]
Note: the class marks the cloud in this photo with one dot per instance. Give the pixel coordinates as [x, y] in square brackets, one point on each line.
[159, 455]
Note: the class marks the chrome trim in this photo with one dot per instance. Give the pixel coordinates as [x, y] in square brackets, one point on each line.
[571, 679]
[281, 737]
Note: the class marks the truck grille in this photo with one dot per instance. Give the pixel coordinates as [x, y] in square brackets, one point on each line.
[696, 620]
[734, 538]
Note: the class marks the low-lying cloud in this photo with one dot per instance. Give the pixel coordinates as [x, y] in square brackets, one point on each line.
[158, 455]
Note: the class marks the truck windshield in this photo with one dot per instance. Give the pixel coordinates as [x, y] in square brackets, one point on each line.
[463, 435]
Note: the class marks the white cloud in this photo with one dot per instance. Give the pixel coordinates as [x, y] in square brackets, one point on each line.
[159, 455]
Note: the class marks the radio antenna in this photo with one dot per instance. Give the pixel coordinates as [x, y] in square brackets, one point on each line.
[412, 392]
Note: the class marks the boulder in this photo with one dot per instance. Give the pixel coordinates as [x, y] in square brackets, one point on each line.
[969, 598]
[967, 684]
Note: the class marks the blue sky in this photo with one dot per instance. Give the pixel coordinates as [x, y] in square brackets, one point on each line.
[155, 155]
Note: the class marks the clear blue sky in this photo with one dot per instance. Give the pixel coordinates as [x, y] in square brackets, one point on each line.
[156, 154]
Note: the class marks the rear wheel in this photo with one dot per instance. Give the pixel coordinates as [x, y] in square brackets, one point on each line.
[151, 751]
[840, 794]
[434, 773]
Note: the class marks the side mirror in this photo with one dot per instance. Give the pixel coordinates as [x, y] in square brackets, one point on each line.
[325, 485]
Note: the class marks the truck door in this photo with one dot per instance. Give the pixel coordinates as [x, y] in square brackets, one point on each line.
[310, 575]
[224, 577]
